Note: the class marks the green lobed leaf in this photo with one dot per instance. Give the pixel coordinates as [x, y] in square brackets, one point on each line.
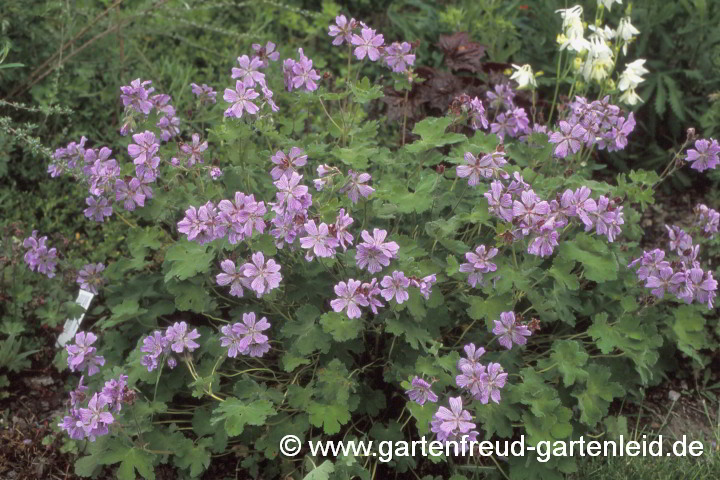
[186, 259]
[237, 414]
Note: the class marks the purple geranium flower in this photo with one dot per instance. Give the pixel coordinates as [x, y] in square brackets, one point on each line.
[397, 56]
[478, 263]
[249, 71]
[98, 208]
[81, 355]
[286, 165]
[95, 415]
[499, 201]
[569, 139]
[342, 30]
[38, 256]
[318, 241]
[303, 73]
[181, 339]
[705, 155]
[368, 43]
[204, 93]
[90, 277]
[114, 392]
[470, 379]
[395, 286]
[290, 193]
[350, 298]
[493, 380]
[473, 356]
[263, 276]
[453, 421]
[232, 276]
[241, 99]
[77, 396]
[421, 392]
[509, 331]
[374, 253]
[265, 53]
[356, 186]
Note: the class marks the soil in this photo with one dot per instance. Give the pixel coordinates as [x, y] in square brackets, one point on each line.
[29, 447]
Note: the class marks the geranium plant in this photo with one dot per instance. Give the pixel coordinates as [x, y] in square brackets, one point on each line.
[291, 272]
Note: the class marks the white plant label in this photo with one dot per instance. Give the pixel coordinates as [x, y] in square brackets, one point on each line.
[71, 325]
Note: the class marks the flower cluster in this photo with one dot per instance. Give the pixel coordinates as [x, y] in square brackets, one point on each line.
[38, 256]
[483, 166]
[369, 44]
[516, 202]
[246, 338]
[508, 119]
[473, 108]
[92, 421]
[235, 219]
[598, 123]
[300, 73]
[596, 55]
[258, 275]
[483, 383]
[81, 355]
[373, 254]
[248, 77]
[67, 158]
[682, 277]
[139, 103]
[102, 174]
[478, 263]
[176, 338]
[204, 93]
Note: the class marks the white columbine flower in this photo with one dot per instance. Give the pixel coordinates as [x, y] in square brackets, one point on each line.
[629, 97]
[627, 32]
[524, 76]
[606, 33]
[599, 60]
[632, 76]
[573, 28]
[609, 3]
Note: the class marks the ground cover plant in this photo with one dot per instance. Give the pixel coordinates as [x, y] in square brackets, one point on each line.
[287, 269]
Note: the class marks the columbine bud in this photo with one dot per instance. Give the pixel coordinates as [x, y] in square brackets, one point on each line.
[578, 64]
